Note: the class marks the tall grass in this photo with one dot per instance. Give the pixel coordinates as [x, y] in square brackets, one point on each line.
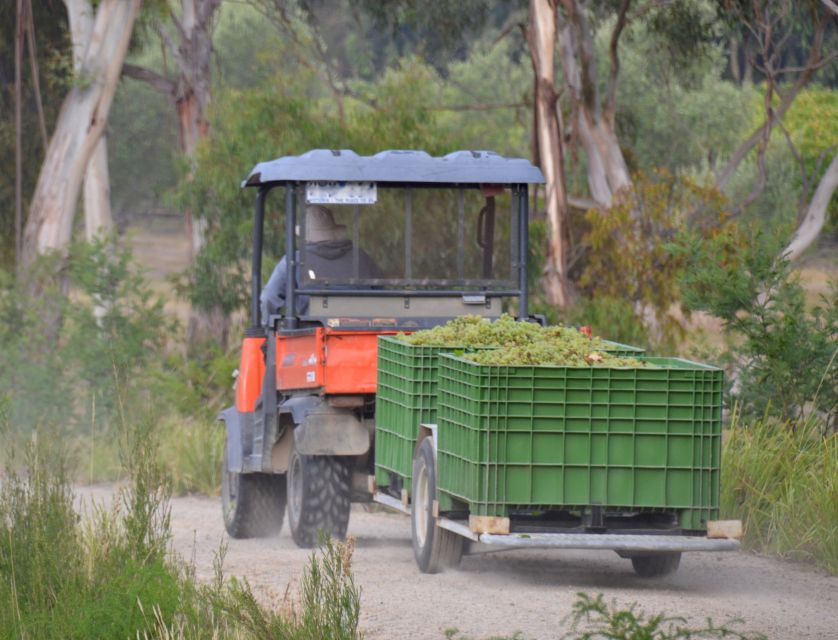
[110, 574]
[781, 480]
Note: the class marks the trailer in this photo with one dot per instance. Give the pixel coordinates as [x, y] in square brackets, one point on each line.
[331, 407]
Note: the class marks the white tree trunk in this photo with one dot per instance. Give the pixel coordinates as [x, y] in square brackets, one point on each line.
[80, 124]
[593, 121]
[542, 43]
[98, 218]
[815, 216]
[97, 184]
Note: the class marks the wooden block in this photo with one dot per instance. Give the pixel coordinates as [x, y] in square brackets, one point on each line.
[371, 486]
[488, 524]
[724, 529]
[405, 498]
[435, 508]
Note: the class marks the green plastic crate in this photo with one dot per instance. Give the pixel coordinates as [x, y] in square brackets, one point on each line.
[406, 397]
[544, 437]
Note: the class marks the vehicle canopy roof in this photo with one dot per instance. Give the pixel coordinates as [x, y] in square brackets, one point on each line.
[397, 166]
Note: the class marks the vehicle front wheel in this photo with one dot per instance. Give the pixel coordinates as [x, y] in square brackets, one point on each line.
[253, 504]
[657, 565]
[433, 547]
[319, 492]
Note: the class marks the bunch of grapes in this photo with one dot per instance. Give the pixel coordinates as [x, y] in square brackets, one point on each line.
[547, 353]
[522, 342]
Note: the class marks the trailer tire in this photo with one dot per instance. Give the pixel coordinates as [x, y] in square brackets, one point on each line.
[433, 547]
[252, 504]
[656, 566]
[319, 497]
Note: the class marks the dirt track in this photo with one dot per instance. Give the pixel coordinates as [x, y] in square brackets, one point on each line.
[527, 591]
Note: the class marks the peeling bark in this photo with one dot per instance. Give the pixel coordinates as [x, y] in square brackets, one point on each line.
[97, 185]
[592, 119]
[78, 129]
[541, 37]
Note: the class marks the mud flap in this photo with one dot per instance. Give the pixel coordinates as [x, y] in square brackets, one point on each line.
[326, 431]
[234, 422]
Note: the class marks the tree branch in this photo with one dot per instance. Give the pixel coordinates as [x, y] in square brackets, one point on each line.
[613, 49]
[152, 78]
[775, 115]
[480, 107]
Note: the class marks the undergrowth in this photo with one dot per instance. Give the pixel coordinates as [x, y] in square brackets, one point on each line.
[110, 573]
[592, 618]
[781, 480]
[595, 619]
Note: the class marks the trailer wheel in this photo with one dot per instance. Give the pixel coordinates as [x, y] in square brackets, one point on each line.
[319, 497]
[656, 566]
[434, 548]
[253, 504]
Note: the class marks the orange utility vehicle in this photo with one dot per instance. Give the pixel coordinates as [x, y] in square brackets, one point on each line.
[448, 236]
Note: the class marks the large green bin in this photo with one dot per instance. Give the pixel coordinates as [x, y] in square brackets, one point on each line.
[406, 397]
[516, 438]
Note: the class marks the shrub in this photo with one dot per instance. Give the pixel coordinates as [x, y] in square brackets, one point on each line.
[784, 353]
[630, 254]
[595, 619]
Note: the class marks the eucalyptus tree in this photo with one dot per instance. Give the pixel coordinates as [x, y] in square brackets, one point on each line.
[80, 125]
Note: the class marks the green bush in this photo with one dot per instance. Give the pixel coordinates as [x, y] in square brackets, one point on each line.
[68, 357]
[109, 574]
[783, 351]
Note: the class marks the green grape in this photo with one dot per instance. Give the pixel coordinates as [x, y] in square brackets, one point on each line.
[523, 343]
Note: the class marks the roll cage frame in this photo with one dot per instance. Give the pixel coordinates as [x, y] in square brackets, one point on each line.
[390, 169]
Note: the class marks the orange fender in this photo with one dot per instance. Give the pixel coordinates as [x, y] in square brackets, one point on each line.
[251, 372]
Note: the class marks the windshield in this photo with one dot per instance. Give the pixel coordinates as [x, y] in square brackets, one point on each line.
[422, 238]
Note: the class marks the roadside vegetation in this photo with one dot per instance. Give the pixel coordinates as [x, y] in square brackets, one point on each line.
[110, 573]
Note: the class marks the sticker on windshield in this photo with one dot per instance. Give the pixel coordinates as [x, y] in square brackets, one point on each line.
[341, 193]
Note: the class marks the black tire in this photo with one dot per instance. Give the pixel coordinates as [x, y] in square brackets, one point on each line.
[252, 504]
[319, 497]
[433, 547]
[657, 565]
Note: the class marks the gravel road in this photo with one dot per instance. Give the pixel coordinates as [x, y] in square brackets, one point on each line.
[527, 591]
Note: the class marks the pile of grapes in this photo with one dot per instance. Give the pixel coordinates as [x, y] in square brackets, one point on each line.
[523, 343]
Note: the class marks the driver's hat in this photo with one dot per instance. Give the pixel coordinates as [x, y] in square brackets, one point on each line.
[321, 225]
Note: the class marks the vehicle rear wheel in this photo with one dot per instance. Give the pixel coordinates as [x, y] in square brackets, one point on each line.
[656, 566]
[253, 504]
[319, 492]
[434, 548]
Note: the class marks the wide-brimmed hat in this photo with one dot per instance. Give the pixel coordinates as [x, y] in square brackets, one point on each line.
[321, 225]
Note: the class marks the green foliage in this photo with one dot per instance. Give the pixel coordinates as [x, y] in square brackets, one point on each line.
[31, 362]
[116, 327]
[107, 574]
[629, 257]
[781, 480]
[614, 316]
[812, 125]
[784, 353]
[595, 619]
[192, 451]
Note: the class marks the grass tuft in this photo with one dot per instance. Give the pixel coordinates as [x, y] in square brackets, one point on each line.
[781, 480]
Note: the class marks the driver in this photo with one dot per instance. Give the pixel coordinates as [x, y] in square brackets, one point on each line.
[328, 256]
